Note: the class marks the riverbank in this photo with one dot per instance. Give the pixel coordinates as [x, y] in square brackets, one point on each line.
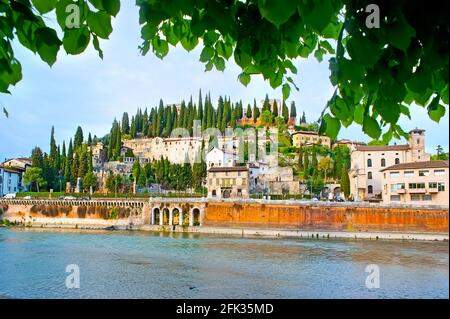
[95, 224]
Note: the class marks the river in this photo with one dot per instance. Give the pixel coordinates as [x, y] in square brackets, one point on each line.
[121, 264]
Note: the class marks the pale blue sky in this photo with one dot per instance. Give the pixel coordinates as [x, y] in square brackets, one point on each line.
[84, 90]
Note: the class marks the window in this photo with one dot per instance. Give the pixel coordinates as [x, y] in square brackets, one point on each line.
[424, 173]
[394, 174]
[369, 175]
[397, 186]
[383, 162]
[426, 197]
[439, 172]
[370, 189]
[395, 198]
[214, 193]
[369, 163]
[416, 185]
[409, 173]
[397, 161]
[441, 187]
[418, 141]
[415, 197]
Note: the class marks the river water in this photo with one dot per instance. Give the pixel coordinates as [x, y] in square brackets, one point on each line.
[155, 265]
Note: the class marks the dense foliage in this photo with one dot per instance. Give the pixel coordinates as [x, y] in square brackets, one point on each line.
[377, 71]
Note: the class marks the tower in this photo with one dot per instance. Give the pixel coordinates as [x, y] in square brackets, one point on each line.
[417, 145]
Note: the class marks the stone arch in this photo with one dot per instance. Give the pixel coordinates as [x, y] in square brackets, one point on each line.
[176, 213]
[155, 216]
[165, 216]
[195, 218]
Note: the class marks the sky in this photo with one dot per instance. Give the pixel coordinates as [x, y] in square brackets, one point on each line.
[87, 91]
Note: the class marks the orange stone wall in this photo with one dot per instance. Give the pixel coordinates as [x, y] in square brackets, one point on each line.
[326, 218]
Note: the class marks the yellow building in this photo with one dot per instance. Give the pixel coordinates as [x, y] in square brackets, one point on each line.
[228, 182]
[310, 138]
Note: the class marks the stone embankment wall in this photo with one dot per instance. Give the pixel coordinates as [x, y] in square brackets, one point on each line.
[326, 217]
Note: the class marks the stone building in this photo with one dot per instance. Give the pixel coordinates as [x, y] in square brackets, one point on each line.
[219, 157]
[367, 161]
[228, 182]
[419, 183]
[310, 138]
[272, 180]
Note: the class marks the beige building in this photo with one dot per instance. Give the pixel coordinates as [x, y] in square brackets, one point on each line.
[310, 138]
[367, 162]
[420, 183]
[273, 180]
[228, 182]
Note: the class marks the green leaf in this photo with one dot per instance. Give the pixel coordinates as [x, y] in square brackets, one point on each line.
[61, 14]
[435, 110]
[277, 11]
[244, 78]
[207, 54]
[359, 114]
[75, 41]
[371, 127]
[44, 6]
[160, 47]
[47, 44]
[340, 109]
[286, 91]
[330, 126]
[100, 23]
[219, 62]
[111, 6]
[189, 42]
[400, 33]
[316, 14]
[96, 44]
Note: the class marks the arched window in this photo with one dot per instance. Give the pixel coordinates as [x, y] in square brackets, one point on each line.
[369, 163]
[370, 189]
[214, 193]
[369, 175]
[383, 162]
[397, 161]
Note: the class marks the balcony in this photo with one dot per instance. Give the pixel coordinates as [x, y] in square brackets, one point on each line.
[400, 191]
[432, 190]
[417, 191]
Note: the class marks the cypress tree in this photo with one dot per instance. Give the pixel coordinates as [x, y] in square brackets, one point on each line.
[345, 182]
[78, 140]
[266, 104]
[37, 159]
[285, 112]
[248, 113]
[125, 123]
[303, 120]
[53, 149]
[89, 141]
[255, 111]
[200, 106]
[293, 110]
[275, 109]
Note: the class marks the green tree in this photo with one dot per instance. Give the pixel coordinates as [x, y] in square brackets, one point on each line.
[345, 182]
[266, 117]
[293, 112]
[37, 158]
[90, 180]
[256, 113]
[325, 165]
[78, 140]
[285, 112]
[125, 123]
[248, 112]
[275, 109]
[33, 176]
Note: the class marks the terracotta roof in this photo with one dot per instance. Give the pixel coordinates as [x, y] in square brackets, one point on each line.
[306, 132]
[414, 165]
[228, 169]
[403, 147]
